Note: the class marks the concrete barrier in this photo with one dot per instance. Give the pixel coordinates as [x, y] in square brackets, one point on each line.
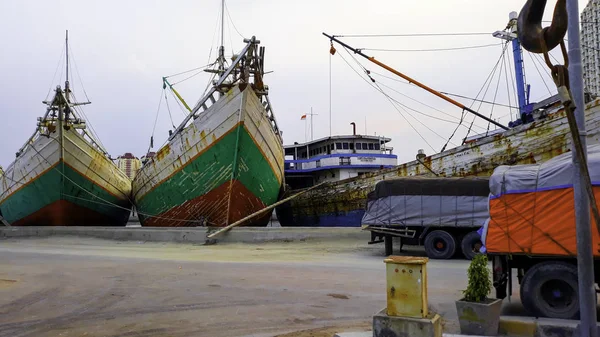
[192, 235]
[538, 327]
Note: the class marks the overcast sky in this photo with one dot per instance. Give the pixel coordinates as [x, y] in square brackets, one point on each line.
[122, 49]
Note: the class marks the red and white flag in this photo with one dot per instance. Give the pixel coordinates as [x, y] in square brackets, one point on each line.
[303, 117]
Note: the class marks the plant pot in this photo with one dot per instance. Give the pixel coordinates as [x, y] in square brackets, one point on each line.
[479, 318]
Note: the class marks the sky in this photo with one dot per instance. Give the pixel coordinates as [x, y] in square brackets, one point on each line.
[121, 50]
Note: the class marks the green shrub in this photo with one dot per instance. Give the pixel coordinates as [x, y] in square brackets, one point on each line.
[480, 283]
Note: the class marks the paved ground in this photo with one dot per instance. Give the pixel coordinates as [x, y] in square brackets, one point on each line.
[90, 287]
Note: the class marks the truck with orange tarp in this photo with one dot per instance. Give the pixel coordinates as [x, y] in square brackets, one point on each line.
[531, 229]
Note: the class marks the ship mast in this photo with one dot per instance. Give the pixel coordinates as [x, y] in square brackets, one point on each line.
[63, 106]
[420, 85]
[221, 59]
[67, 70]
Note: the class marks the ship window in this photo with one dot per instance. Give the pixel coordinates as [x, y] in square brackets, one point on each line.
[338, 146]
[345, 146]
[359, 146]
[351, 146]
[344, 160]
[377, 147]
[365, 146]
[371, 146]
[319, 163]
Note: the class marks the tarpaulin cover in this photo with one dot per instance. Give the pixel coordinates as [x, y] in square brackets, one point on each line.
[532, 207]
[420, 201]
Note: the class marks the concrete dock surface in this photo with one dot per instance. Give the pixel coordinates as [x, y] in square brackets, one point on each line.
[70, 286]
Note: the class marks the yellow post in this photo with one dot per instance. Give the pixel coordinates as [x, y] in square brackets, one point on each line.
[406, 278]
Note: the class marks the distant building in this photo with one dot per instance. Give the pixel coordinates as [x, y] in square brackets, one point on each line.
[147, 157]
[590, 46]
[129, 164]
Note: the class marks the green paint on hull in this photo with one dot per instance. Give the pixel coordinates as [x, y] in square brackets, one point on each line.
[45, 190]
[212, 169]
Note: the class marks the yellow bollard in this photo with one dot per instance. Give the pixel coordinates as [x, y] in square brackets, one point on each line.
[406, 278]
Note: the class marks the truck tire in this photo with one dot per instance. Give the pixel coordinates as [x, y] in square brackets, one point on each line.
[549, 289]
[440, 244]
[467, 244]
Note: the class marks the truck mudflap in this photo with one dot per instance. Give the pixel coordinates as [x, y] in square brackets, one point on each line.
[501, 276]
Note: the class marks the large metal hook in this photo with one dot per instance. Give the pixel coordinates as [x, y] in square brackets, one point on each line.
[532, 36]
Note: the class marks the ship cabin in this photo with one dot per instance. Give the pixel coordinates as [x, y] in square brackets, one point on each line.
[336, 158]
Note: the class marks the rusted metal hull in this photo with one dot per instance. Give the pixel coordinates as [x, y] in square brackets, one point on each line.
[342, 204]
[84, 188]
[227, 164]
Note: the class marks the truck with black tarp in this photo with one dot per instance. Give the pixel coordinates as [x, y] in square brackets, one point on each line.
[442, 214]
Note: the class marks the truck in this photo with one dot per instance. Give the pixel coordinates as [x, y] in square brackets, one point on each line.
[531, 233]
[441, 214]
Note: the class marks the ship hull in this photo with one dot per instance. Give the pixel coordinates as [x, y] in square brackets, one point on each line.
[83, 188]
[223, 167]
[343, 203]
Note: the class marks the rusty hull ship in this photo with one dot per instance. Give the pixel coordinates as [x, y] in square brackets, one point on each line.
[224, 161]
[342, 203]
[63, 176]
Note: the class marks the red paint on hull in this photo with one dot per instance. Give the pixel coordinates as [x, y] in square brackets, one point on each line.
[66, 213]
[213, 208]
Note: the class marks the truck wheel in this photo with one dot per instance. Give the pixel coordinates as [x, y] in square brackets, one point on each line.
[440, 245]
[468, 244]
[549, 289]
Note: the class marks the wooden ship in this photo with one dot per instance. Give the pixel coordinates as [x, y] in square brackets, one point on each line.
[225, 160]
[62, 176]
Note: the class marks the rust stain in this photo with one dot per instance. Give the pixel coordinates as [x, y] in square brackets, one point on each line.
[162, 153]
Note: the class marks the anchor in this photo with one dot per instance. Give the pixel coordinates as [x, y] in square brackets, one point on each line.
[532, 36]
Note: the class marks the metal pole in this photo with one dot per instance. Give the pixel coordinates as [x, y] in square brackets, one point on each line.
[311, 124]
[330, 133]
[585, 257]
[518, 56]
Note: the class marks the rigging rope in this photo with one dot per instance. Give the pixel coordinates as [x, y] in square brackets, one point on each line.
[419, 112]
[433, 49]
[483, 86]
[514, 84]
[183, 110]
[169, 109]
[508, 85]
[78, 76]
[462, 116]
[413, 34]
[543, 65]
[187, 78]
[230, 39]
[189, 71]
[62, 55]
[79, 110]
[533, 60]
[495, 95]
[155, 122]
[233, 23]
[351, 67]
[378, 88]
[477, 100]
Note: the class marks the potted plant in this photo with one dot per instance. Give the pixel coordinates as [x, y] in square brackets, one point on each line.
[478, 314]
